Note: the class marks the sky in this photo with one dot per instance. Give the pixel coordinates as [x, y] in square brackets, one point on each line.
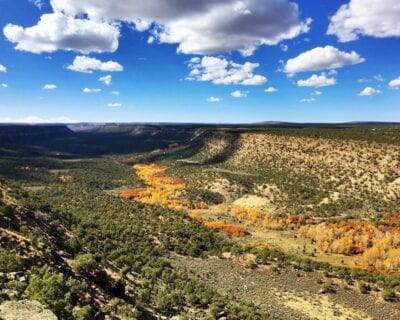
[215, 61]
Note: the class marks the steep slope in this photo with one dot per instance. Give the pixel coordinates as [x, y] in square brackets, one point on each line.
[314, 174]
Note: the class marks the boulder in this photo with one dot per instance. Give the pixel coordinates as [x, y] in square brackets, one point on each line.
[25, 309]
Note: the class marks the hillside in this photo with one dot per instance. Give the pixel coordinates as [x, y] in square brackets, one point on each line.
[302, 173]
[209, 223]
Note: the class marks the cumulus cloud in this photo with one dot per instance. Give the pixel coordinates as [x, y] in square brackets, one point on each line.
[317, 93]
[36, 120]
[321, 58]
[89, 90]
[115, 93]
[317, 81]
[106, 79]
[88, 65]
[239, 94]
[214, 99]
[4, 85]
[369, 91]
[56, 31]
[201, 27]
[271, 90]
[375, 18]
[395, 83]
[308, 100]
[115, 105]
[3, 69]
[222, 71]
[49, 86]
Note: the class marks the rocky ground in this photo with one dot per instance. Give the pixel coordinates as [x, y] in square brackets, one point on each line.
[287, 293]
[24, 310]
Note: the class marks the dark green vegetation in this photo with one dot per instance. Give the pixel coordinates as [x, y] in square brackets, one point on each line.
[85, 252]
[96, 243]
[120, 247]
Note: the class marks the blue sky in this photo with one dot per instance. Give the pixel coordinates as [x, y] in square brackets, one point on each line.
[347, 75]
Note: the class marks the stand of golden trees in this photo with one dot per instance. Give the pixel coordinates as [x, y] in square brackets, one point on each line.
[160, 189]
[377, 245]
[256, 217]
[167, 191]
[219, 225]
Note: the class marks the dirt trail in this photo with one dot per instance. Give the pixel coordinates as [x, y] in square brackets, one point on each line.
[237, 172]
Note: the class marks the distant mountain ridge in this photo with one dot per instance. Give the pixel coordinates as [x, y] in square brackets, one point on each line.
[29, 133]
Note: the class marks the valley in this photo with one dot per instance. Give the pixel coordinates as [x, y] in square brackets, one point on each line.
[186, 222]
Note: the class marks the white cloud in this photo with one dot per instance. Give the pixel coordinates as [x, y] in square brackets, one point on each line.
[369, 91]
[222, 71]
[201, 27]
[150, 40]
[115, 93]
[214, 99]
[88, 90]
[308, 100]
[284, 47]
[321, 58]
[317, 81]
[317, 93]
[271, 90]
[88, 65]
[377, 77]
[49, 86]
[36, 120]
[4, 85]
[363, 80]
[57, 31]
[106, 79]
[239, 94]
[115, 105]
[38, 3]
[395, 83]
[3, 69]
[375, 18]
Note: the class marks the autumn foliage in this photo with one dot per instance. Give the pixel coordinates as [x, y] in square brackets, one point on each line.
[257, 217]
[160, 189]
[392, 219]
[378, 246]
[233, 230]
[167, 191]
[219, 225]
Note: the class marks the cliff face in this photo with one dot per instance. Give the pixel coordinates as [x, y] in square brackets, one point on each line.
[24, 134]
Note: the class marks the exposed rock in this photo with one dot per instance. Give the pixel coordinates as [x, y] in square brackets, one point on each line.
[25, 309]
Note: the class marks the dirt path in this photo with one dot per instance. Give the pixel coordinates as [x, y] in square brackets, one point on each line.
[237, 172]
[289, 294]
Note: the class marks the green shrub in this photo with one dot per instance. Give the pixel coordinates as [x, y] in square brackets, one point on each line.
[363, 287]
[10, 262]
[389, 294]
[84, 264]
[328, 287]
[206, 196]
[50, 288]
[84, 313]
